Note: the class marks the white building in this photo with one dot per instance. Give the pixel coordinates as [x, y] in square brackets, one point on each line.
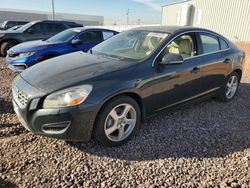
[27, 15]
[227, 17]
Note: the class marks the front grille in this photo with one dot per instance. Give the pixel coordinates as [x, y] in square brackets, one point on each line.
[12, 54]
[19, 96]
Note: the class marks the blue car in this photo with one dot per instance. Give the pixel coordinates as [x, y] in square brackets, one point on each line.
[25, 55]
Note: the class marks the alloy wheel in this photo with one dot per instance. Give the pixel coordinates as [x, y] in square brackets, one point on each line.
[231, 87]
[120, 122]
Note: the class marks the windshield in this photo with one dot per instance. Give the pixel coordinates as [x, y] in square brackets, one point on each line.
[133, 44]
[14, 28]
[64, 36]
[3, 24]
[26, 26]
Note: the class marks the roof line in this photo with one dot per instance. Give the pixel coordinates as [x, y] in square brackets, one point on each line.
[44, 12]
[179, 2]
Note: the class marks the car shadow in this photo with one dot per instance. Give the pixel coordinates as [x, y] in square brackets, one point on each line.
[9, 124]
[6, 106]
[6, 184]
[201, 130]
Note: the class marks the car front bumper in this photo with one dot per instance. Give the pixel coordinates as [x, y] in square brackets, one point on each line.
[71, 123]
[16, 64]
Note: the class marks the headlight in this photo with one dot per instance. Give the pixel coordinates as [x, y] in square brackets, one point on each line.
[26, 54]
[68, 97]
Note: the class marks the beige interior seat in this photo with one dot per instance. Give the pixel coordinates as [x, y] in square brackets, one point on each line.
[173, 48]
[152, 43]
[185, 48]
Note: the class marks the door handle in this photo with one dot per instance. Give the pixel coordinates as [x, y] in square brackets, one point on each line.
[227, 60]
[195, 70]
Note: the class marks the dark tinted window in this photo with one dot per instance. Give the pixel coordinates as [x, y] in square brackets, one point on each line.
[10, 24]
[209, 43]
[72, 25]
[36, 28]
[223, 44]
[21, 23]
[52, 27]
[91, 37]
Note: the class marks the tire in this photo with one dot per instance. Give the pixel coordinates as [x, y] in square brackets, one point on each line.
[108, 130]
[225, 95]
[5, 47]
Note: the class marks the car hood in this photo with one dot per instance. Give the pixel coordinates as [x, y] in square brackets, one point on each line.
[32, 46]
[69, 70]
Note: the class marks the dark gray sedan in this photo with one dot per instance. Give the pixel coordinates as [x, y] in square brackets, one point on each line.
[106, 92]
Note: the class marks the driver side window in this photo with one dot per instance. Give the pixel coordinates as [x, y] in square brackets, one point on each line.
[91, 37]
[35, 28]
[183, 45]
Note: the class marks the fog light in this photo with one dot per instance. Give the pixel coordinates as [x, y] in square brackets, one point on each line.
[55, 128]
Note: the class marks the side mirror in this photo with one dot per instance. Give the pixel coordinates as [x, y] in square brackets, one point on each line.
[76, 42]
[30, 30]
[171, 58]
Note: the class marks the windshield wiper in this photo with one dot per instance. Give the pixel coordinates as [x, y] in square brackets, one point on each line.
[112, 57]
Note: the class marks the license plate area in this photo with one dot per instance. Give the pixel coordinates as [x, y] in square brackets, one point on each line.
[20, 118]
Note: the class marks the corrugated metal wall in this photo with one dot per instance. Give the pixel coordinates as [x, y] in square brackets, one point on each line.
[231, 18]
[228, 17]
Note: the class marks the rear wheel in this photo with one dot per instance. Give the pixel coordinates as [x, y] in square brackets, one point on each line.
[230, 87]
[5, 47]
[118, 121]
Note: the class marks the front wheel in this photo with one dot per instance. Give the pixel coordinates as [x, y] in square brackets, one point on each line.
[230, 87]
[5, 47]
[117, 121]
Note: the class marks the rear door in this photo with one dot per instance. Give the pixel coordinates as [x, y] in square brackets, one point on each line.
[216, 61]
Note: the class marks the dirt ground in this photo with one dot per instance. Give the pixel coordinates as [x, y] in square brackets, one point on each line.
[202, 145]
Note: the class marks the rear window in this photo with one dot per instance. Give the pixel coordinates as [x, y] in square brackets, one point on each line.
[209, 43]
[223, 44]
[107, 34]
[55, 27]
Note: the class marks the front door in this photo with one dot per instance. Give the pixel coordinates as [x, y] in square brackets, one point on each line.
[35, 32]
[176, 83]
[89, 40]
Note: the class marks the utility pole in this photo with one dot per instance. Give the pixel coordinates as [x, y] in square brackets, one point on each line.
[127, 13]
[139, 21]
[53, 10]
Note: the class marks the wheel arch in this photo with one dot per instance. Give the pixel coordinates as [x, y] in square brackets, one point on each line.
[10, 40]
[130, 94]
[238, 71]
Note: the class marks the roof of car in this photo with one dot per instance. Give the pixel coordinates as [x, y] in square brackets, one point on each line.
[90, 27]
[167, 29]
[54, 21]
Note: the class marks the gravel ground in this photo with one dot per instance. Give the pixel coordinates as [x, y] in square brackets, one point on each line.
[202, 145]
